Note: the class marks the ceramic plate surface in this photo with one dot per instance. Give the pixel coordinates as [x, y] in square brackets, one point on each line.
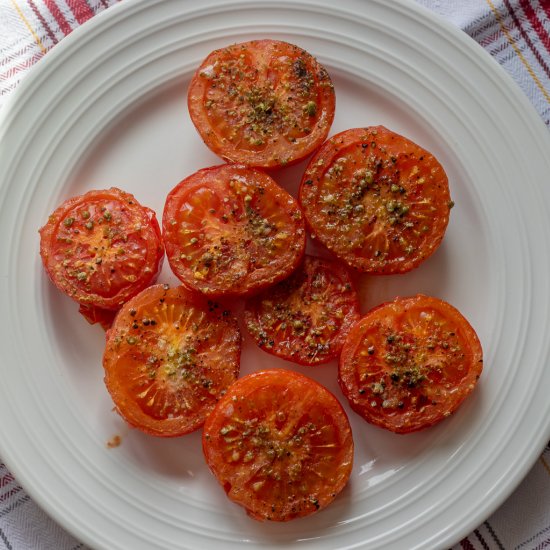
[108, 107]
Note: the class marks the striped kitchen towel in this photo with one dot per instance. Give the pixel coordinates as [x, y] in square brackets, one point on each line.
[515, 32]
[29, 28]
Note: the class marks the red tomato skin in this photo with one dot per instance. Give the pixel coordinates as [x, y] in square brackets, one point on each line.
[293, 347]
[232, 283]
[95, 315]
[465, 345]
[277, 381]
[277, 149]
[54, 228]
[416, 230]
[125, 403]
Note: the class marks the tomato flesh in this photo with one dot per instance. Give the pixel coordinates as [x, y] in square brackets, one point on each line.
[280, 444]
[262, 103]
[95, 315]
[410, 363]
[102, 248]
[376, 199]
[231, 230]
[169, 357]
[306, 317]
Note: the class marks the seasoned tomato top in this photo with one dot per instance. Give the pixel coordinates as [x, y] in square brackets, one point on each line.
[306, 317]
[262, 103]
[280, 444]
[231, 230]
[376, 199]
[170, 355]
[410, 363]
[102, 248]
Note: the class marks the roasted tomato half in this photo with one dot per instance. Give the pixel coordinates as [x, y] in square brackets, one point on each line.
[410, 363]
[280, 445]
[262, 103]
[101, 249]
[231, 231]
[306, 317]
[170, 355]
[377, 200]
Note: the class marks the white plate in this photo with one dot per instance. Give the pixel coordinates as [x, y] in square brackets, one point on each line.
[108, 107]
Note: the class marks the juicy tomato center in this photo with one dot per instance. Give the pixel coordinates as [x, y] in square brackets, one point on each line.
[289, 452]
[373, 203]
[233, 231]
[304, 314]
[417, 361]
[173, 358]
[101, 247]
[251, 99]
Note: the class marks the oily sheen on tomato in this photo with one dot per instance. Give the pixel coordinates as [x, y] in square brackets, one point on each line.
[231, 231]
[410, 363]
[169, 357]
[306, 317]
[101, 249]
[280, 444]
[262, 103]
[377, 200]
